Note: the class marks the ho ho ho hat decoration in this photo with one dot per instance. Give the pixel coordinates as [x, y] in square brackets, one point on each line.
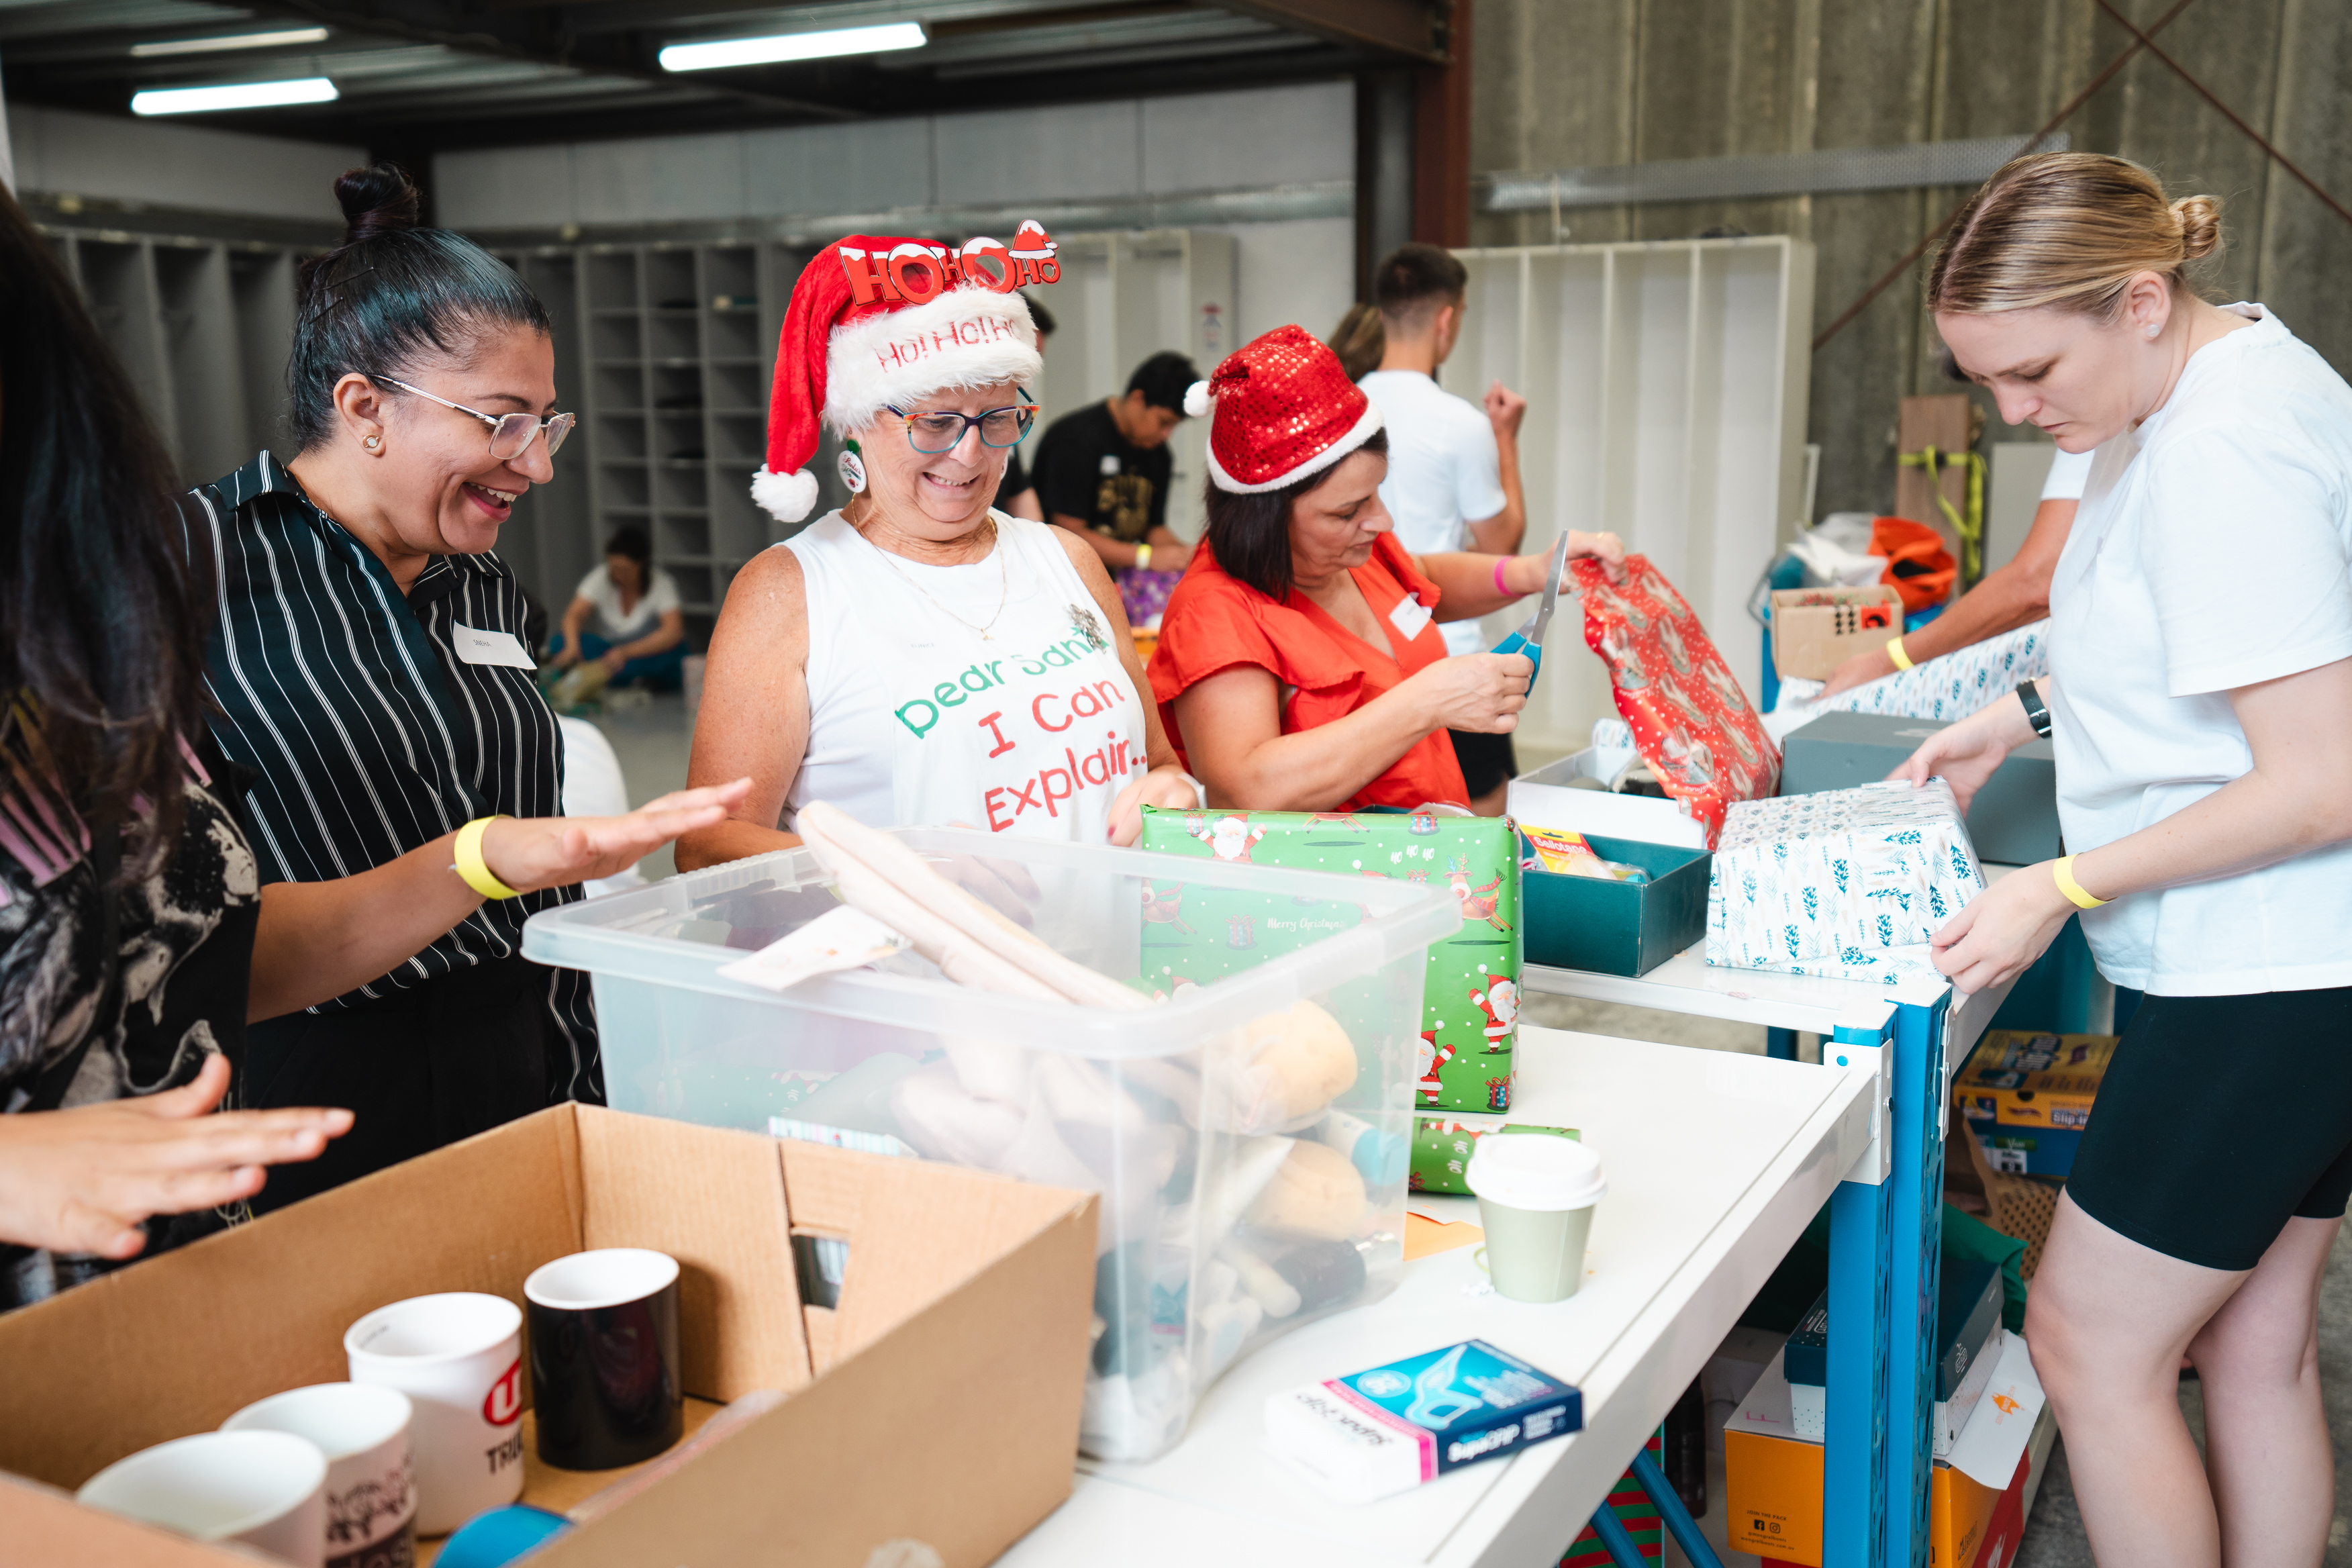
[1285, 410]
[877, 321]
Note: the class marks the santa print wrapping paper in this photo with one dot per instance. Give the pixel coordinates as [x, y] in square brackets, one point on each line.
[1470, 1005]
[1849, 882]
[1691, 721]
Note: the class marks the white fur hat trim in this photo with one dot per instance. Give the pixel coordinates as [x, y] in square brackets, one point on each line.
[966, 338]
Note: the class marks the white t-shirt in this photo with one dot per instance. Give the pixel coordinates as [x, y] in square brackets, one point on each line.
[2069, 472]
[611, 622]
[1445, 472]
[2210, 552]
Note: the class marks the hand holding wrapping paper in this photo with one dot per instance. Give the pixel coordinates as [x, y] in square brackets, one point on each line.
[1691, 721]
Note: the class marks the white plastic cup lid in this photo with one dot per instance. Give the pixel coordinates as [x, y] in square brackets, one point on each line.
[1535, 1170]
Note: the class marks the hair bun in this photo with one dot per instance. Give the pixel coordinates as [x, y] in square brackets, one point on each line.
[2200, 225]
[379, 199]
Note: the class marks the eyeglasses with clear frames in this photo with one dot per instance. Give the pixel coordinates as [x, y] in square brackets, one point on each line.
[942, 430]
[511, 434]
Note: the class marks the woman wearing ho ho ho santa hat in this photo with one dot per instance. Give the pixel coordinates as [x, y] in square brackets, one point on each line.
[917, 656]
[1298, 660]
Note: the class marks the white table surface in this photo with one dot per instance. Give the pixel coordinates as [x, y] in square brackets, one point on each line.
[1716, 1162]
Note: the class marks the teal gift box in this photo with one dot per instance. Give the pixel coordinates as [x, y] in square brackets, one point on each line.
[1470, 1005]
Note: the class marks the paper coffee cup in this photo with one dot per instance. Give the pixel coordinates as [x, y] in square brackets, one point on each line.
[1536, 1194]
[459, 1357]
[362, 1430]
[265, 1489]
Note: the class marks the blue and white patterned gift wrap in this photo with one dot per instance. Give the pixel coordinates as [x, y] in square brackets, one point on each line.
[1848, 882]
[1945, 689]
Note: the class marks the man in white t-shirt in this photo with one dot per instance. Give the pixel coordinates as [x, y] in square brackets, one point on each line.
[1454, 468]
[2013, 595]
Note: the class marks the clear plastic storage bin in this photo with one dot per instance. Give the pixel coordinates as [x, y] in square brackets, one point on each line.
[1248, 1136]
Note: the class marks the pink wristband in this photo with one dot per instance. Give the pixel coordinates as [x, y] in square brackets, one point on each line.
[1499, 562]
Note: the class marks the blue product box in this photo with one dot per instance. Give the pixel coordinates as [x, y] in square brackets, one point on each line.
[1387, 1430]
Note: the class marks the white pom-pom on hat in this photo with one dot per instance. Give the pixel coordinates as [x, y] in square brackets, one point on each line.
[1196, 400]
[788, 498]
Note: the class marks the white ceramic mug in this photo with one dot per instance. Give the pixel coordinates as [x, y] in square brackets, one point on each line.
[265, 1489]
[459, 1357]
[362, 1430]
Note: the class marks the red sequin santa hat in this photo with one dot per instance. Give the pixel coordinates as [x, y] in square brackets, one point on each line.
[881, 321]
[1285, 410]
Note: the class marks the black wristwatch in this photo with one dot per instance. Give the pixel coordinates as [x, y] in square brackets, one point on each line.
[2037, 713]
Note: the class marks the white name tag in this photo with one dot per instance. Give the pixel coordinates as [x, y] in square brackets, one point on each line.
[499, 648]
[1409, 617]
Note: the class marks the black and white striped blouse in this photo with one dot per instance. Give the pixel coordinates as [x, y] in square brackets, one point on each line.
[371, 734]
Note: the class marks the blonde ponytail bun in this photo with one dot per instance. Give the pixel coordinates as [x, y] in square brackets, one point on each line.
[2200, 225]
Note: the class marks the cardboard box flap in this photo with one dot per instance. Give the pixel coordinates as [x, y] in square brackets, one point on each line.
[915, 1231]
[1990, 1445]
[91, 1378]
[715, 1201]
[1028, 1308]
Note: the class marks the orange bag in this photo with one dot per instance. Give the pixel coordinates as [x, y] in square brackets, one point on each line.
[1918, 567]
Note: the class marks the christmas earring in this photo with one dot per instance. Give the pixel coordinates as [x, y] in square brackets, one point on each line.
[853, 468]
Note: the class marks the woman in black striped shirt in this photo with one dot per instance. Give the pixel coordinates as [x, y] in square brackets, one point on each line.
[369, 661]
[137, 934]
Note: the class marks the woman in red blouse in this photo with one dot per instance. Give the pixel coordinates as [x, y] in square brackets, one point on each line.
[1299, 667]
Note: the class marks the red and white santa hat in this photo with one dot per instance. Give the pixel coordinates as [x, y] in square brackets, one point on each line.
[1285, 410]
[880, 321]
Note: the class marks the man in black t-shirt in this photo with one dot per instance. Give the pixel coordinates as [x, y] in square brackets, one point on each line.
[1103, 470]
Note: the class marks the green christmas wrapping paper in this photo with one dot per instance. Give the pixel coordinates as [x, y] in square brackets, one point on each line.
[1470, 1004]
[1442, 1146]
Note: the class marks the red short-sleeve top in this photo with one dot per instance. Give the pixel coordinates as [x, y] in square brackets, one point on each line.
[1214, 622]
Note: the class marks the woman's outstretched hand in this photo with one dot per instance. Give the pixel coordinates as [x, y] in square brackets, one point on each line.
[80, 1181]
[530, 853]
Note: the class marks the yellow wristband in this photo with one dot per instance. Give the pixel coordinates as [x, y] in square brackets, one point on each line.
[1143, 558]
[1895, 652]
[2062, 871]
[473, 869]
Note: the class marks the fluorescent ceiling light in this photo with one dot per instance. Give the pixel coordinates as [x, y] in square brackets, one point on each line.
[726, 52]
[233, 41]
[234, 95]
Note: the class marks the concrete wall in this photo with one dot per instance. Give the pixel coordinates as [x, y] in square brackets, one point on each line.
[1299, 271]
[1566, 83]
[173, 164]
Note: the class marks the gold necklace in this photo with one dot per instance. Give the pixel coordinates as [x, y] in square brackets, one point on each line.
[1003, 581]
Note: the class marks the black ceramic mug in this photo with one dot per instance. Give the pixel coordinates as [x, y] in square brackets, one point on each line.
[604, 1366]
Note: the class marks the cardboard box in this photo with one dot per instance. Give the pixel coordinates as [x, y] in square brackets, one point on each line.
[1774, 1479]
[1617, 928]
[2013, 821]
[1470, 998]
[2027, 1096]
[937, 1403]
[1815, 630]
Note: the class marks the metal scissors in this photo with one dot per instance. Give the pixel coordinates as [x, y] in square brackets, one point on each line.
[1528, 638]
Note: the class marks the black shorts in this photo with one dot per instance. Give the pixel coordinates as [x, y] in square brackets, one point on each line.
[1488, 762]
[2219, 1118]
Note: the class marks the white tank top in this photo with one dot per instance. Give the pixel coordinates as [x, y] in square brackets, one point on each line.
[917, 719]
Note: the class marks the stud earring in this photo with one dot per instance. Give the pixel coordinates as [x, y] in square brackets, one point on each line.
[2156, 330]
[373, 442]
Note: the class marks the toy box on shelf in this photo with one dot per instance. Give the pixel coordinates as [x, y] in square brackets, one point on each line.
[2027, 1096]
[1247, 1134]
[1471, 996]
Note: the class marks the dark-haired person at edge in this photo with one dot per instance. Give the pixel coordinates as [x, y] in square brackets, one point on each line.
[2201, 714]
[1017, 496]
[138, 934]
[1300, 665]
[639, 621]
[1453, 465]
[1103, 472]
[368, 661]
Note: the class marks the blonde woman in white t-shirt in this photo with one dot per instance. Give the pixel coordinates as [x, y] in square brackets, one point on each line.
[2202, 708]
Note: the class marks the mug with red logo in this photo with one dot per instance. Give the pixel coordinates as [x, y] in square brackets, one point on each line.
[459, 1357]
